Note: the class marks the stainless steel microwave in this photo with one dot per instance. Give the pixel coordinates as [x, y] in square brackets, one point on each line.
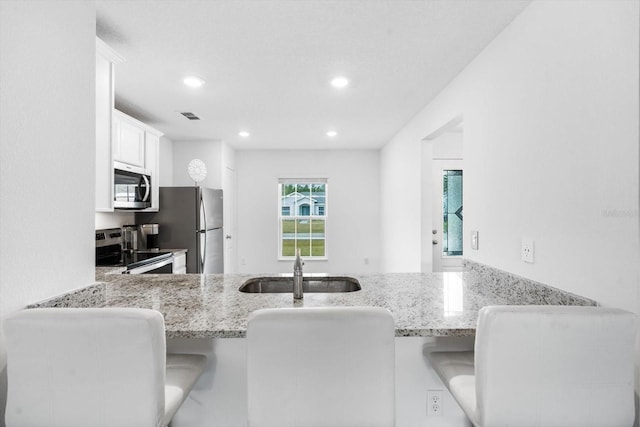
[131, 187]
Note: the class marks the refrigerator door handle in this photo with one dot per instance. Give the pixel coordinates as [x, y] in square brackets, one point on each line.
[204, 253]
[203, 232]
[203, 212]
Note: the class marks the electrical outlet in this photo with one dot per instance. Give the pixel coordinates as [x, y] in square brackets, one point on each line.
[528, 250]
[434, 403]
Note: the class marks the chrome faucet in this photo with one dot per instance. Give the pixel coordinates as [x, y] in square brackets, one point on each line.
[297, 277]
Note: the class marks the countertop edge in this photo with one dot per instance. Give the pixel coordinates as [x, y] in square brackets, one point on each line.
[423, 304]
[400, 333]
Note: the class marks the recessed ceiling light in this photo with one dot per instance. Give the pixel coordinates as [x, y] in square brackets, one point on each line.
[332, 134]
[244, 134]
[193, 81]
[340, 82]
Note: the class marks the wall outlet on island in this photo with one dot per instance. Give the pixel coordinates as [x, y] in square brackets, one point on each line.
[528, 250]
[434, 403]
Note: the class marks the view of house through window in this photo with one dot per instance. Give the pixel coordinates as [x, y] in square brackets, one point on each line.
[303, 217]
[452, 212]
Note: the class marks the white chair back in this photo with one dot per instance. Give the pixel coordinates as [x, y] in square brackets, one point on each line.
[85, 367]
[554, 366]
[321, 367]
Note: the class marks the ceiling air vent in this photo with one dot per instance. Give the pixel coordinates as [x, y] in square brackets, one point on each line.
[190, 116]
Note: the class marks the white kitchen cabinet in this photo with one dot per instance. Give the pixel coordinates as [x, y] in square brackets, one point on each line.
[138, 144]
[152, 163]
[128, 140]
[106, 58]
[119, 137]
[180, 263]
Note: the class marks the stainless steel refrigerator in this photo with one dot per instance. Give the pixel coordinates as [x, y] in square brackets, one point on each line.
[190, 218]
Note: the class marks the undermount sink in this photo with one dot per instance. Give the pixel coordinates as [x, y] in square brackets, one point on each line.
[274, 285]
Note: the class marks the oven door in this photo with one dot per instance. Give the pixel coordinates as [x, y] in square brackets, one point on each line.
[164, 266]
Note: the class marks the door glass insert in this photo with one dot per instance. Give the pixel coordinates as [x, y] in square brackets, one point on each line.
[452, 213]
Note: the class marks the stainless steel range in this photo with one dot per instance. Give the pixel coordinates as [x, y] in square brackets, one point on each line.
[111, 252]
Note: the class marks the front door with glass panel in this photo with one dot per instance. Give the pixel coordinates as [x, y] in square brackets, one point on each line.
[447, 233]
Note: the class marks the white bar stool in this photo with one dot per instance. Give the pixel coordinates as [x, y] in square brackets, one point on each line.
[321, 367]
[78, 367]
[559, 366]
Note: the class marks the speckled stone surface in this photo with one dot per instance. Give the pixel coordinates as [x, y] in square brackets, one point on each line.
[101, 272]
[91, 296]
[512, 287]
[205, 306]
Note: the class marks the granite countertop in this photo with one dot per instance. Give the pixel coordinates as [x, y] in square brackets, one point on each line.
[422, 304]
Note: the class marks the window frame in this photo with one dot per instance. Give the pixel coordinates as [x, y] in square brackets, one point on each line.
[296, 217]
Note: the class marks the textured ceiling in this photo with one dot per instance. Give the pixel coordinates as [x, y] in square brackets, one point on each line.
[267, 64]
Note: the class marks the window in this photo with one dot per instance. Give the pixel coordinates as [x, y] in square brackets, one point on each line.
[303, 217]
[452, 213]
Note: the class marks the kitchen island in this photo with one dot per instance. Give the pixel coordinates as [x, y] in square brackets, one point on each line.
[207, 314]
[422, 304]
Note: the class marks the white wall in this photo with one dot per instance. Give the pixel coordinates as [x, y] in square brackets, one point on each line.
[551, 151]
[214, 154]
[166, 162]
[353, 208]
[47, 149]
[400, 177]
[448, 146]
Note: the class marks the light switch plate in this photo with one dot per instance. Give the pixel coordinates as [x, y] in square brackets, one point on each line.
[474, 240]
[528, 250]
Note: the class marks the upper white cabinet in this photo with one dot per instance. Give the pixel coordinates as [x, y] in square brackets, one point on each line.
[119, 137]
[128, 140]
[105, 60]
[138, 144]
